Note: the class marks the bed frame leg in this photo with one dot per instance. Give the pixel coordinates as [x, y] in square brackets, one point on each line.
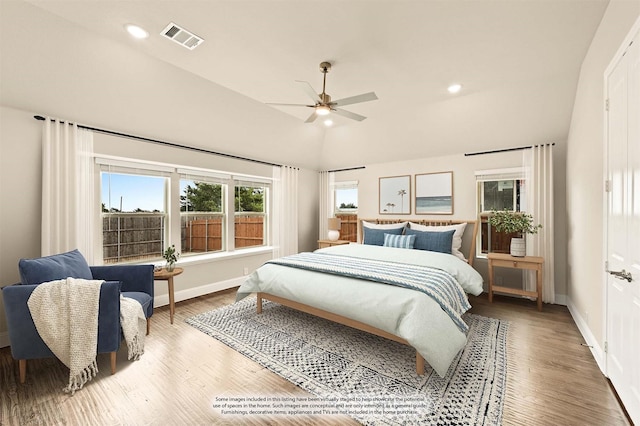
[259, 304]
[419, 364]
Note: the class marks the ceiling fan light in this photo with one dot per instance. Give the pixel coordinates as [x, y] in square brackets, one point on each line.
[323, 110]
[328, 123]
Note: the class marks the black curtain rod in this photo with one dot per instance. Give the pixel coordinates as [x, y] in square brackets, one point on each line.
[345, 170]
[171, 144]
[495, 151]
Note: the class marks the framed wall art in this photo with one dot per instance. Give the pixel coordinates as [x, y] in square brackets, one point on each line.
[395, 195]
[434, 193]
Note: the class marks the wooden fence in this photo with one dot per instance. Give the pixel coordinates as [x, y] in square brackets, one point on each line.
[249, 231]
[132, 236]
[139, 236]
[493, 241]
[348, 226]
[203, 235]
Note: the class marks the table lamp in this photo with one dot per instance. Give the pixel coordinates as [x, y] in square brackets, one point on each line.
[334, 229]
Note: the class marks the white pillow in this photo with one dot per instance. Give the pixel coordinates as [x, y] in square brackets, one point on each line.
[387, 226]
[456, 243]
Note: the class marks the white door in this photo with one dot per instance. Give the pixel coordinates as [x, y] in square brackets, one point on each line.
[623, 228]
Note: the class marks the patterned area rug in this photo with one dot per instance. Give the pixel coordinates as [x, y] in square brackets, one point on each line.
[369, 378]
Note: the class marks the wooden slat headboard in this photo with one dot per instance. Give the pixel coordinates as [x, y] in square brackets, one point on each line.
[468, 239]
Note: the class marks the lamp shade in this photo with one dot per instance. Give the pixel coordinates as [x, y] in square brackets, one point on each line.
[334, 224]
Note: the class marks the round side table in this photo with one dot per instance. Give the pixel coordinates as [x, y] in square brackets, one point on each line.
[164, 275]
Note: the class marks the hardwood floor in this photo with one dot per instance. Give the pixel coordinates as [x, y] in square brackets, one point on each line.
[552, 379]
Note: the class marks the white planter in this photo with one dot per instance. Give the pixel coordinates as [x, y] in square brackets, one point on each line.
[518, 247]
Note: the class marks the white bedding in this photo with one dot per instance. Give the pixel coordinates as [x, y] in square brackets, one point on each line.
[406, 313]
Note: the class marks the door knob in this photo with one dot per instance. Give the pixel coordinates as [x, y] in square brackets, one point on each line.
[622, 275]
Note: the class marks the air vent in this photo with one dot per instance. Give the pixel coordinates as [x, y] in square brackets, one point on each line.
[181, 36]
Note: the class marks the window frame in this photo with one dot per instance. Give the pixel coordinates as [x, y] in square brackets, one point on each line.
[517, 175]
[140, 170]
[174, 174]
[343, 185]
[266, 224]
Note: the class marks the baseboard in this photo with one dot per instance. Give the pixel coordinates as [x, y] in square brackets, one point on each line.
[561, 299]
[589, 338]
[202, 290]
[4, 339]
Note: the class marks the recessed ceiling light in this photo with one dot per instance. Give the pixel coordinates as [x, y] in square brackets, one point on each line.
[136, 31]
[328, 123]
[454, 88]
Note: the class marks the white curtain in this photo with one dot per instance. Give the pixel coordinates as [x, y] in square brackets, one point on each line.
[285, 211]
[69, 214]
[326, 182]
[538, 165]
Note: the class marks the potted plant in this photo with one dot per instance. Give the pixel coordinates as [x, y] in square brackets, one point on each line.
[511, 222]
[171, 256]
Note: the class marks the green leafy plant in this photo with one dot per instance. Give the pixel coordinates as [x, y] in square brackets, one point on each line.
[171, 255]
[513, 222]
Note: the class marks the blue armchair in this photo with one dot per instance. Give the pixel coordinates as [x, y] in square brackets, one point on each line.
[134, 281]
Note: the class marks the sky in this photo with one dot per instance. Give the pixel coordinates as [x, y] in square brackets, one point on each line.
[346, 196]
[144, 192]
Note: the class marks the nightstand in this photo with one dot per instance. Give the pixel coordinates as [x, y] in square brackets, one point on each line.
[329, 243]
[533, 263]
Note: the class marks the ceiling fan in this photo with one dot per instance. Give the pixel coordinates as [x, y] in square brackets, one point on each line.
[323, 105]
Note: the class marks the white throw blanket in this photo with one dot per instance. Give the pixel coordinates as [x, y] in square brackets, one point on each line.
[134, 326]
[65, 313]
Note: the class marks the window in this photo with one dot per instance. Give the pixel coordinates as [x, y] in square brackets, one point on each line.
[202, 215]
[345, 207]
[346, 197]
[498, 190]
[138, 202]
[250, 209]
[134, 216]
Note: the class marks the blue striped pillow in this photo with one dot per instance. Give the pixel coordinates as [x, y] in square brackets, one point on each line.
[399, 241]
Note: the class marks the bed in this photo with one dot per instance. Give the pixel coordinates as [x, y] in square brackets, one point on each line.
[404, 311]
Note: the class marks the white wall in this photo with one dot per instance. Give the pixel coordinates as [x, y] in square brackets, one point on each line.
[585, 176]
[464, 193]
[20, 188]
[20, 210]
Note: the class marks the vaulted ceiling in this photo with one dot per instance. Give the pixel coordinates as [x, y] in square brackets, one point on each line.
[518, 62]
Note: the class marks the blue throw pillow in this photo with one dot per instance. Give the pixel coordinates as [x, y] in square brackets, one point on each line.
[57, 267]
[432, 241]
[375, 237]
[399, 241]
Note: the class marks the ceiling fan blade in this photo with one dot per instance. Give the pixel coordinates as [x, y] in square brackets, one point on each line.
[365, 97]
[311, 118]
[308, 89]
[348, 114]
[278, 104]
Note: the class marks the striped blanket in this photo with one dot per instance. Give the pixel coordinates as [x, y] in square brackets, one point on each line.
[436, 283]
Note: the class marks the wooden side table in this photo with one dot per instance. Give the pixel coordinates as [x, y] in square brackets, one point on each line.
[164, 275]
[533, 263]
[329, 243]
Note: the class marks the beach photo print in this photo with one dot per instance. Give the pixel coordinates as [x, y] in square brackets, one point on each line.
[434, 193]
